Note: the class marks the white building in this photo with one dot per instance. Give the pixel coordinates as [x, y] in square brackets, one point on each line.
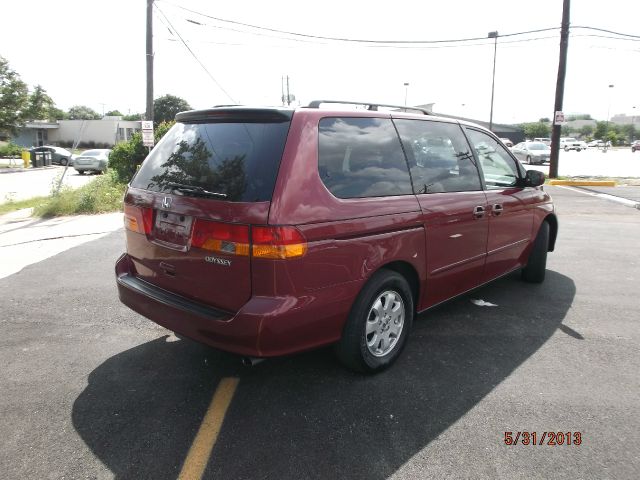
[103, 133]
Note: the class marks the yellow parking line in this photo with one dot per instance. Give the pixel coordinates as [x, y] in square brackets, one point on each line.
[200, 450]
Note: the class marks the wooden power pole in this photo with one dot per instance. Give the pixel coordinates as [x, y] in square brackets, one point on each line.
[562, 70]
[149, 112]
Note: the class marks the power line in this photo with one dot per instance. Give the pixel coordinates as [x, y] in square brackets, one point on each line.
[354, 40]
[607, 31]
[194, 55]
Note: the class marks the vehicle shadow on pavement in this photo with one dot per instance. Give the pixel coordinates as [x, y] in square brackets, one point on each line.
[305, 416]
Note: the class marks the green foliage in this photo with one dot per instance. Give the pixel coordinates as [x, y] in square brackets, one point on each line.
[587, 130]
[14, 97]
[612, 137]
[82, 112]
[11, 150]
[127, 156]
[581, 116]
[104, 194]
[133, 117]
[56, 114]
[536, 129]
[601, 130]
[39, 105]
[567, 130]
[165, 108]
[113, 113]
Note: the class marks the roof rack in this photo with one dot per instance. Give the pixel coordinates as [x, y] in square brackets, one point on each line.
[369, 105]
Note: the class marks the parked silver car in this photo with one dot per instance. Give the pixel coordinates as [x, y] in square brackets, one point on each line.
[96, 160]
[533, 153]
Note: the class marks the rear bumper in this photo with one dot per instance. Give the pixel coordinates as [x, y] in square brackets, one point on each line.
[263, 327]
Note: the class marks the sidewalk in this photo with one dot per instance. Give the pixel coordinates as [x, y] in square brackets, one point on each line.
[25, 240]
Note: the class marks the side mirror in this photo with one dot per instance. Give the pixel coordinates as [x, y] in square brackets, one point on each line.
[533, 178]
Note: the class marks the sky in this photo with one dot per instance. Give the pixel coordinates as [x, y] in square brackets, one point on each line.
[90, 52]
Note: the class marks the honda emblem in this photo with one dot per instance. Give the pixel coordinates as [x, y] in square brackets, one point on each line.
[166, 202]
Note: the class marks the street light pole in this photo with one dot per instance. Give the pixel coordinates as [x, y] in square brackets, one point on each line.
[406, 92]
[493, 35]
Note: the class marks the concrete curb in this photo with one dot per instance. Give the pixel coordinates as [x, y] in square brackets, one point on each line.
[584, 183]
[613, 198]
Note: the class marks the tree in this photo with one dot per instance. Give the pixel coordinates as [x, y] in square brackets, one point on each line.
[113, 113]
[166, 107]
[601, 130]
[536, 130]
[133, 116]
[56, 114]
[82, 112]
[14, 98]
[586, 130]
[126, 157]
[40, 105]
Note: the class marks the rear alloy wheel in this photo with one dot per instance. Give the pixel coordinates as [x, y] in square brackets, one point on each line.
[566, 149]
[378, 325]
[536, 267]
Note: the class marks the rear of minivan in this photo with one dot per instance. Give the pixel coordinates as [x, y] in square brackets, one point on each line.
[196, 214]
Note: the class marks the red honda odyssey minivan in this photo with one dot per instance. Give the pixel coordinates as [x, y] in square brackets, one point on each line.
[269, 231]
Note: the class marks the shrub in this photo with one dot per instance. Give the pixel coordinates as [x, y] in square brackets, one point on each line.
[104, 194]
[127, 156]
[10, 150]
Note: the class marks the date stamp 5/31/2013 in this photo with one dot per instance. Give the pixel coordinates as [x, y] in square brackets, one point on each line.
[551, 439]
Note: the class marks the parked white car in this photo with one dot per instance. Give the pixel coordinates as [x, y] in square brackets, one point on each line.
[570, 143]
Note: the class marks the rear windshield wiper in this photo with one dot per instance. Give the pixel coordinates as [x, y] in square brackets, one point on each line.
[195, 190]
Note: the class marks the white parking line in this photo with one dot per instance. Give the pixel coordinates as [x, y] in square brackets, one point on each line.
[624, 201]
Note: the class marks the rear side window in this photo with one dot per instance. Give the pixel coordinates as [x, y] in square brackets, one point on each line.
[362, 157]
[439, 157]
[238, 160]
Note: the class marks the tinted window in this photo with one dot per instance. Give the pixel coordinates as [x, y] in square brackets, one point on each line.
[439, 157]
[498, 168]
[239, 160]
[362, 157]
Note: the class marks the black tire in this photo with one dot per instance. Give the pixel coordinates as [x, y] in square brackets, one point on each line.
[536, 267]
[528, 160]
[566, 149]
[80, 172]
[352, 349]
[63, 162]
[578, 149]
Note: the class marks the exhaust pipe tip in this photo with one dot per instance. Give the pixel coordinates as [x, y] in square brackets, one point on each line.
[251, 361]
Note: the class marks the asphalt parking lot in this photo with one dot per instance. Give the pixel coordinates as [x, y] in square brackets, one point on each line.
[92, 390]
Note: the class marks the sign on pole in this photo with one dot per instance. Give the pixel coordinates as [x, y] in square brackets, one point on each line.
[559, 118]
[147, 133]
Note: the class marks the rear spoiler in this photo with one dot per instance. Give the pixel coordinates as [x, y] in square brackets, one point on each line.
[235, 115]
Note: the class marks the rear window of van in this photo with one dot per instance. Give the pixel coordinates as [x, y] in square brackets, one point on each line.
[239, 161]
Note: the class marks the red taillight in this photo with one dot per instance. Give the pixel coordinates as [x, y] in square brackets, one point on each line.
[277, 242]
[221, 237]
[138, 219]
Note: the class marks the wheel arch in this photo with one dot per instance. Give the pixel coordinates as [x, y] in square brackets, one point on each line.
[409, 272]
[552, 220]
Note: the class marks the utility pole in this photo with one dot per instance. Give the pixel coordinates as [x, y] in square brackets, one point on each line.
[149, 114]
[562, 70]
[493, 35]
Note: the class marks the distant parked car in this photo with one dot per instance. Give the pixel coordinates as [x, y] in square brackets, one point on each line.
[59, 156]
[545, 140]
[96, 160]
[533, 153]
[596, 143]
[570, 143]
[635, 146]
[507, 142]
